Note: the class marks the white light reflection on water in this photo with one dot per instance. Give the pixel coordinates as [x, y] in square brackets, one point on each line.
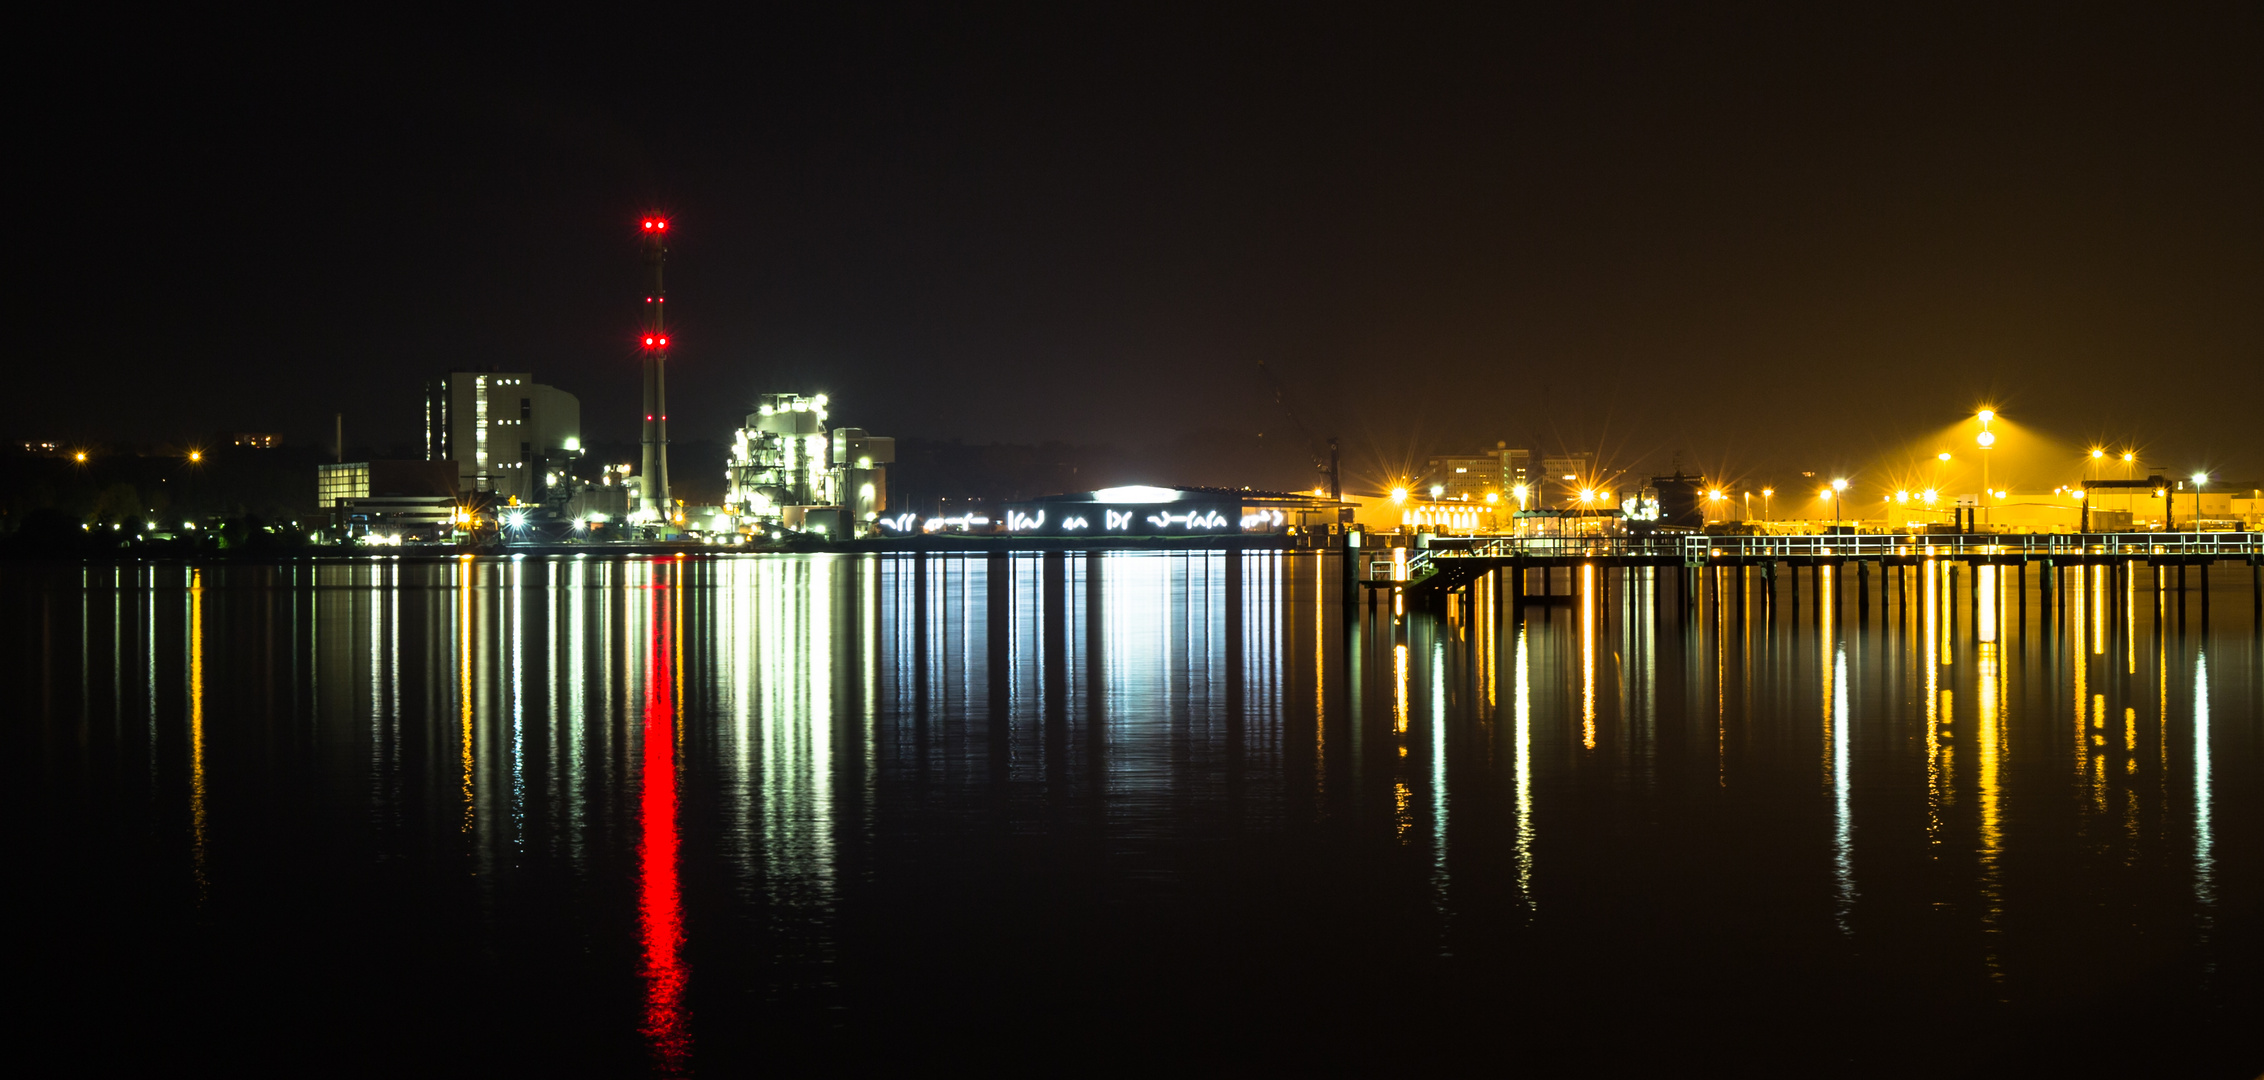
[778, 773]
[2204, 836]
[1525, 771]
[1439, 878]
[1843, 823]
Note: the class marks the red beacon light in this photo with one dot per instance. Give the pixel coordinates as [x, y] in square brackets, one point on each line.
[656, 341]
[656, 225]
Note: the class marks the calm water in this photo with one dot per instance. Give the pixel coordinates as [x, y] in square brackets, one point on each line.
[620, 816]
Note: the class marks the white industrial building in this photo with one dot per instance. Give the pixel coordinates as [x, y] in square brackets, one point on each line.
[506, 433]
[788, 470]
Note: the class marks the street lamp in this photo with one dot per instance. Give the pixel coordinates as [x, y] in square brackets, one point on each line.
[1714, 495]
[2199, 478]
[1839, 487]
[1766, 495]
[1987, 439]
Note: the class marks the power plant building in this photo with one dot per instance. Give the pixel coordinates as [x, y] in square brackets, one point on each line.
[506, 433]
[788, 470]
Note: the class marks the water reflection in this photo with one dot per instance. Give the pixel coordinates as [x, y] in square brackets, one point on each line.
[767, 792]
[196, 729]
[660, 904]
[2204, 832]
[1523, 766]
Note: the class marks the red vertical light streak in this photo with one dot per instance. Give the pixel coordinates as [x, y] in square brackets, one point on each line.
[666, 1030]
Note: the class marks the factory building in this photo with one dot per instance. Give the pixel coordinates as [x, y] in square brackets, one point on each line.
[416, 499]
[861, 460]
[507, 434]
[789, 471]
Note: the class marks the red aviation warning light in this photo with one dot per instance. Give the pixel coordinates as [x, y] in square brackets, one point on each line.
[655, 225]
[656, 341]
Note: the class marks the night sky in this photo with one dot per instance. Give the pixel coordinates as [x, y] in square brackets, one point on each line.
[1764, 239]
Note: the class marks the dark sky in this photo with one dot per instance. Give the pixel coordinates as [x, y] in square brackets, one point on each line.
[1767, 239]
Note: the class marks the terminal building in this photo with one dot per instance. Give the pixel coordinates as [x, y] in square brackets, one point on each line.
[507, 434]
[1140, 510]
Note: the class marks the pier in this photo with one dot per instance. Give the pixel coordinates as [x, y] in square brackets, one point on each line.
[1454, 563]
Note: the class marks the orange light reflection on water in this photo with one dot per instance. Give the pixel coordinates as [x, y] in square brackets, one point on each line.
[196, 726]
[1588, 657]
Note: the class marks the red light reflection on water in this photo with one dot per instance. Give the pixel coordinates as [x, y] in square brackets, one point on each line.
[661, 909]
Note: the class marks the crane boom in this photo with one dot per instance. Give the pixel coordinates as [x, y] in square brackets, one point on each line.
[1324, 463]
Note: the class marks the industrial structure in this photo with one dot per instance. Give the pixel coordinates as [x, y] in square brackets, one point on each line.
[388, 500]
[655, 509]
[788, 472]
[508, 435]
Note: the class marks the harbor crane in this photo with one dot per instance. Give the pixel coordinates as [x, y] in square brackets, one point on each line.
[1325, 461]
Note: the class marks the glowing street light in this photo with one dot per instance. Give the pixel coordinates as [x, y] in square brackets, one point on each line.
[1766, 495]
[1399, 494]
[2199, 478]
[1987, 439]
[1839, 487]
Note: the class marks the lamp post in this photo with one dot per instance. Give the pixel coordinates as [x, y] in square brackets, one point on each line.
[1714, 496]
[1766, 495]
[196, 461]
[1839, 487]
[2199, 478]
[1987, 439]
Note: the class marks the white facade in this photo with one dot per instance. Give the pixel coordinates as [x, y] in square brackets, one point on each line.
[501, 428]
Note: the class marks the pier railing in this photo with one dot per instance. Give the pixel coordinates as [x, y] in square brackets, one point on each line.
[1699, 550]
